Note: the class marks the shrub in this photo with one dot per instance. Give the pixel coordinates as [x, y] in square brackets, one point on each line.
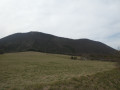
[73, 57]
[1, 51]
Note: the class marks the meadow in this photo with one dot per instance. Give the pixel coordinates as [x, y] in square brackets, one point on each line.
[35, 71]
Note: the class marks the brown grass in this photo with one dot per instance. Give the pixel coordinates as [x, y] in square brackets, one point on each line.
[19, 70]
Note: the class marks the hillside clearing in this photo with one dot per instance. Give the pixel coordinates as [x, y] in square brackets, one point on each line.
[18, 70]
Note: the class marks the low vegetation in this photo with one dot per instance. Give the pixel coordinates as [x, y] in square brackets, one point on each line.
[1, 51]
[102, 57]
[108, 80]
[35, 71]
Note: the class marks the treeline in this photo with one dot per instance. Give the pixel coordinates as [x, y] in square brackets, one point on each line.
[115, 57]
[103, 57]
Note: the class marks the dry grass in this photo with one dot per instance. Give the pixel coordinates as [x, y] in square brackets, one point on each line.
[18, 70]
[107, 80]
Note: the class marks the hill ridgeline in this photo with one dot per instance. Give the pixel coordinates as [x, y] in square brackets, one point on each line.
[37, 41]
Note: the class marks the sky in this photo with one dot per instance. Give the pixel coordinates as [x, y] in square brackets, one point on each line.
[97, 20]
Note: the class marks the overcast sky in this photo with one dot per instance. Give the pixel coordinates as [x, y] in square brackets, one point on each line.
[94, 19]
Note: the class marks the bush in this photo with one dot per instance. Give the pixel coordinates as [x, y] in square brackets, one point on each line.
[73, 57]
[1, 51]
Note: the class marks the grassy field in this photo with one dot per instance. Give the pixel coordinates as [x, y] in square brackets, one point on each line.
[34, 70]
[107, 80]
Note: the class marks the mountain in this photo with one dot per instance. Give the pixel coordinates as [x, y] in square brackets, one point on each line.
[37, 41]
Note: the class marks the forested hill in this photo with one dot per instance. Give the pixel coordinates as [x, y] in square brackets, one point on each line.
[37, 41]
